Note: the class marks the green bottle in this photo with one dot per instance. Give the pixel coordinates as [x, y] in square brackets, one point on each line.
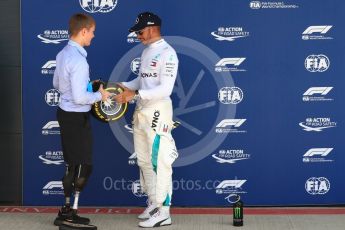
[237, 210]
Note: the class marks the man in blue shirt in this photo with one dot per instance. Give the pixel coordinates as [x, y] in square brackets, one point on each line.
[71, 78]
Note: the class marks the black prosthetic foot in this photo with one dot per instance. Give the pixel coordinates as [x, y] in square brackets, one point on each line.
[66, 214]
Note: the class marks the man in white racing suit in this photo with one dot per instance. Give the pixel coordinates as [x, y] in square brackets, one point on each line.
[152, 119]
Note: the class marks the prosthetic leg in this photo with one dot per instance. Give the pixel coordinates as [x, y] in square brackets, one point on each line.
[75, 179]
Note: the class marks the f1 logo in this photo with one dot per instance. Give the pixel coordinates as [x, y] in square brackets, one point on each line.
[318, 151]
[230, 61]
[317, 90]
[229, 122]
[51, 125]
[49, 64]
[317, 29]
[53, 184]
[231, 183]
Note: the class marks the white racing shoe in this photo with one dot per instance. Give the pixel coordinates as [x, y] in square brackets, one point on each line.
[146, 213]
[159, 217]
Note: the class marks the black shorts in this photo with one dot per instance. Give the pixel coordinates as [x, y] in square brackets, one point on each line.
[76, 136]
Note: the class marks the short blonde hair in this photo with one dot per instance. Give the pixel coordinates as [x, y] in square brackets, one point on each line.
[79, 21]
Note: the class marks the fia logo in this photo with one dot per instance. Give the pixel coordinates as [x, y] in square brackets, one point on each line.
[317, 185]
[255, 5]
[135, 65]
[317, 63]
[230, 95]
[98, 6]
[52, 97]
[137, 189]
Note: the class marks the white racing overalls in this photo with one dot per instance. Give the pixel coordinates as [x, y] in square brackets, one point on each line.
[152, 120]
[155, 149]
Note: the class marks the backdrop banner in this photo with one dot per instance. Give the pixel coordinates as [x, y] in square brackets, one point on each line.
[259, 93]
